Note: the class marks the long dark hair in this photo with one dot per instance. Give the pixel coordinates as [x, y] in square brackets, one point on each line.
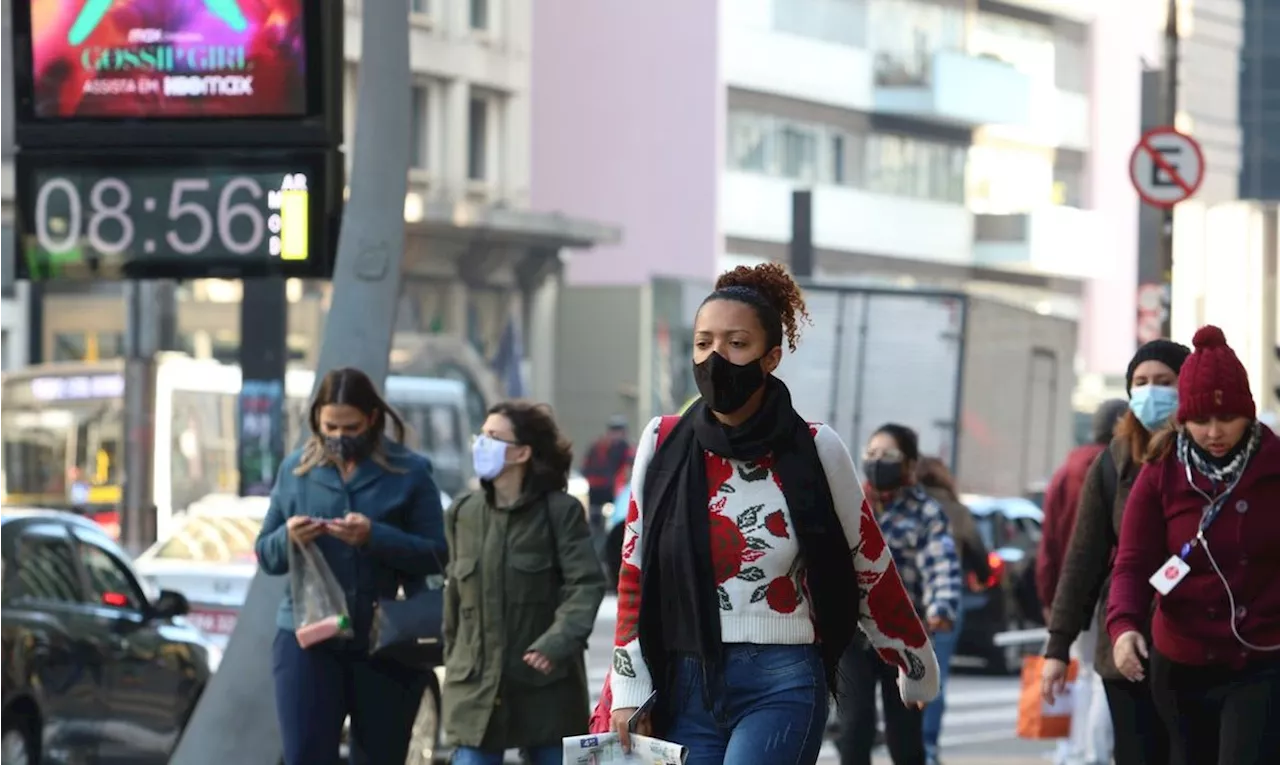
[534, 425]
[932, 473]
[349, 386]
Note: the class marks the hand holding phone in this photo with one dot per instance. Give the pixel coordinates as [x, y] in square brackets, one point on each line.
[304, 529]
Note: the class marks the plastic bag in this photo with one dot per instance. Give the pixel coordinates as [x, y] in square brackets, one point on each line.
[319, 605]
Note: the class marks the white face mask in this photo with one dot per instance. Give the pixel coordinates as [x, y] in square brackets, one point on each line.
[488, 457]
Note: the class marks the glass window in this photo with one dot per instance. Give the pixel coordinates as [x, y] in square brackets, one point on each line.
[46, 570]
[35, 454]
[838, 21]
[477, 139]
[418, 127]
[213, 539]
[420, 6]
[1024, 45]
[203, 447]
[750, 136]
[837, 159]
[479, 14]
[69, 346]
[907, 34]
[799, 153]
[915, 167]
[109, 582]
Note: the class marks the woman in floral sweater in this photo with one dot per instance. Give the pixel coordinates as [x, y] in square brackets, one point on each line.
[745, 536]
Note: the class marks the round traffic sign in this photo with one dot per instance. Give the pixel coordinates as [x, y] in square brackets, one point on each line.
[1166, 167]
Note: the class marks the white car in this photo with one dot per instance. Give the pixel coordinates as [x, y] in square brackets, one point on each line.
[210, 559]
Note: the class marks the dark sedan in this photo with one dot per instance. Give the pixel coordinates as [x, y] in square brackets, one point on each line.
[96, 667]
[998, 609]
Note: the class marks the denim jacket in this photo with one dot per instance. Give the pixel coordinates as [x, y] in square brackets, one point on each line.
[406, 538]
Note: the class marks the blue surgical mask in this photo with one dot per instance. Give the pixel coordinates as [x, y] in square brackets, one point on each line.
[488, 457]
[1153, 405]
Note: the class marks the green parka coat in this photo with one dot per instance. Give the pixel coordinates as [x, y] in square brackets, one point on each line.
[524, 578]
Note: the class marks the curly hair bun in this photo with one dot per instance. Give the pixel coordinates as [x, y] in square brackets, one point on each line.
[776, 286]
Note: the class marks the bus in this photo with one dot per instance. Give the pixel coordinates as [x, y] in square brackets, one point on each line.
[63, 432]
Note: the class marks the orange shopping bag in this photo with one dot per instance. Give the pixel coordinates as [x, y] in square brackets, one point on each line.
[1036, 718]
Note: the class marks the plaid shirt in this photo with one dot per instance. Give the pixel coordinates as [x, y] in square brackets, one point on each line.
[915, 529]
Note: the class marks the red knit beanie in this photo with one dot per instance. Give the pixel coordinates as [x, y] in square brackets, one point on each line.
[1212, 381]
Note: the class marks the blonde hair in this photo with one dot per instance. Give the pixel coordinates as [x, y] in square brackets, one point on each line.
[349, 386]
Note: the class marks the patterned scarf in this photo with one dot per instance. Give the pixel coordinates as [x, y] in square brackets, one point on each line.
[1226, 474]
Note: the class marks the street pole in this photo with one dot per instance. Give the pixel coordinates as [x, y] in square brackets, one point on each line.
[1171, 111]
[141, 344]
[235, 721]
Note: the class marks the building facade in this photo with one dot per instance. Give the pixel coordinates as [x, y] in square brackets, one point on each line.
[972, 144]
[1260, 101]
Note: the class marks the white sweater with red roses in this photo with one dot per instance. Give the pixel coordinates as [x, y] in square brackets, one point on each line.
[758, 572]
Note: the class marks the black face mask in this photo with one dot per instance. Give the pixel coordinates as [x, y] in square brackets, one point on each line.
[349, 448]
[726, 386]
[885, 475]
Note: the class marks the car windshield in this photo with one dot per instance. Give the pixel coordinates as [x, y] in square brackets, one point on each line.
[213, 539]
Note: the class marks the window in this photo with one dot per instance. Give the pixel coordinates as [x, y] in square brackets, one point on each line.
[907, 34]
[838, 21]
[109, 582]
[420, 6]
[69, 346]
[479, 14]
[4, 350]
[749, 136]
[478, 139]
[915, 167]
[799, 153]
[203, 447]
[1069, 178]
[776, 146]
[1071, 56]
[7, 281]
[46, 569]
[418, 135]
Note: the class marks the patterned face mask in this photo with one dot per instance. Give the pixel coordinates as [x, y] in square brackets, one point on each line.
[349, 448]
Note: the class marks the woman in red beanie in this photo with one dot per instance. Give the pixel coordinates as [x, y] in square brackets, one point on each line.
[1202, 529]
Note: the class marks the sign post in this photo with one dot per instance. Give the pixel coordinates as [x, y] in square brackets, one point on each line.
[1166, 167]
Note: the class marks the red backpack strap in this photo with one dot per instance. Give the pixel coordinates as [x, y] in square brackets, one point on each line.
[665, 426]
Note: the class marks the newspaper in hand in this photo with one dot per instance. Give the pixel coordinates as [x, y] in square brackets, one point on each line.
[606, 749]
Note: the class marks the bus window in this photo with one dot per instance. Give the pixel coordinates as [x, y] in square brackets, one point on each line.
[203, 446]
[35, 455]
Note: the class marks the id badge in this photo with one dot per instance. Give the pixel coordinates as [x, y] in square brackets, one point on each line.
[1170, 574]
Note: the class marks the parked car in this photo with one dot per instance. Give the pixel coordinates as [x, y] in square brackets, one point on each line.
[98, 666]
[210, 556]
[1011, 529]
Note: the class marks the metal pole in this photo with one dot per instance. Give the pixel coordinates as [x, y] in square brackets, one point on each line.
[137, 524]
[1171, 110]
[235, 721]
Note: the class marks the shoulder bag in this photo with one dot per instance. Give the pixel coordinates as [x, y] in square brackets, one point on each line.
[409, 628]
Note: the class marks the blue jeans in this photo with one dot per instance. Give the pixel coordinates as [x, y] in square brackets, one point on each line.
[317, 687]
[538, 755]
[769, 707]
[944, 647]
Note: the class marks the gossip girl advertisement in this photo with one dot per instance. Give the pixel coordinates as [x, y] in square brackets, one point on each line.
[168, 59]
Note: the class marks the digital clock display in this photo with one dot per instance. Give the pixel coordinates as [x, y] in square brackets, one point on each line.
[143, 217]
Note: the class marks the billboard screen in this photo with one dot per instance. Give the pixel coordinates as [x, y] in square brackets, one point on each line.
[168, 59]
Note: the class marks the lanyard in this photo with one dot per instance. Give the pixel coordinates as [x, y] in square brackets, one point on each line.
[1211, 510]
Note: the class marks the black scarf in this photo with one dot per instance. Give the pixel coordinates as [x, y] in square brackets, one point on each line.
[679, 608]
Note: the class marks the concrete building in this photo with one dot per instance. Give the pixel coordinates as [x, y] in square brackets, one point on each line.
[479, 262]
[969, 144]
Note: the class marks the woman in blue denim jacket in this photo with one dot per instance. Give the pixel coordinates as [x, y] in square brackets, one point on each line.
[372, 509]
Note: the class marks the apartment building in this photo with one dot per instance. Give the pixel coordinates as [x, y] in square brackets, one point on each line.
[964, 143]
